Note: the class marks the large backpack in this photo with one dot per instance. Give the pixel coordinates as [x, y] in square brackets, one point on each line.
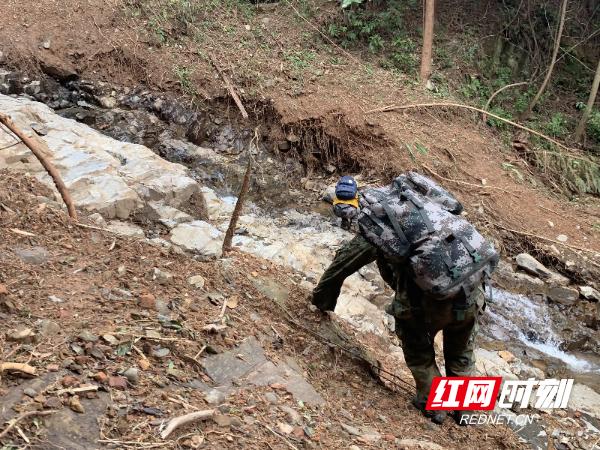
[416, 221]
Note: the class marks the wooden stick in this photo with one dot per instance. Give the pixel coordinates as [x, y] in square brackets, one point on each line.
[487, 105]
[237, 210]
[19, 367]
[37, 149]
[23, 416]
[472, 108]
[571, 247]
[230, 88]
[185, 419]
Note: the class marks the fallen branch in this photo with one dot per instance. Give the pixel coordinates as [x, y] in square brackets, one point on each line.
[289, 444]
[464, 183]
[489, 102]
[38, 151]
[23, 416]
[183, 420]
[71, 391]
[472, 108]
[17, 367]
[569, 246]
[237, 210]
[230, 88]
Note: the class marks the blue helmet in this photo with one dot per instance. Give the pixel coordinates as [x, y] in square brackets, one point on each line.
[346, 188]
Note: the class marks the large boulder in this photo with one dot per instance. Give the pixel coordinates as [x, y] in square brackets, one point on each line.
[199, 237]
[103, 175]
[532, 266]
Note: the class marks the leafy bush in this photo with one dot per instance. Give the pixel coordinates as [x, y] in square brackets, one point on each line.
[593, 126]
[557, 126]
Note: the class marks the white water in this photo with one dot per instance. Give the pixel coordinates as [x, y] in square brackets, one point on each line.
[530, 323]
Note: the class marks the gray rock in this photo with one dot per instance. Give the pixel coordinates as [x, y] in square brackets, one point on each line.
[49, 328]
[97, 219]
[215, 397]
[88, 336]
[564, 295]
[132, 374]
[226, 367]
[589, 293]
[199, 237]
[197, 281]
[22, 334]
[272, 398]
[107, 101]
[293, 416]
[531, 265]
[29, 392]
[167, 215]
[414, 444]
[161, 353]
[161, 277]
[350, 429]
[33, 255]
[125, 229]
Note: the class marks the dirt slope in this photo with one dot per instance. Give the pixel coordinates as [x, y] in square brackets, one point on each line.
[89, 300]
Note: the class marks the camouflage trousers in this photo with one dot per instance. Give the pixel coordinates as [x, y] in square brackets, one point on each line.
[418, 318]
[417, 333]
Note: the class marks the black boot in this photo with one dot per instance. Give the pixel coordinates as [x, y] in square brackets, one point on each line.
[436, 417]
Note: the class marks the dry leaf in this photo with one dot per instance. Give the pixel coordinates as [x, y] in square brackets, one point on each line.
[233, 302]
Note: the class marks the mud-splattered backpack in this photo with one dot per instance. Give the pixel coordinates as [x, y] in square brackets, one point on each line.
[416, 221]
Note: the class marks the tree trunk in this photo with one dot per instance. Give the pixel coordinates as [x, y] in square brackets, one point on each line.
[561, 24]
[427, 40]
[580, 131]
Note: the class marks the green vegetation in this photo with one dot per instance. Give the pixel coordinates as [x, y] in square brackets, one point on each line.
[381, 30]
[593, 126]
[183, 75]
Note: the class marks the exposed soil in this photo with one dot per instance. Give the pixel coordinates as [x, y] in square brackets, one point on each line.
[101, 280]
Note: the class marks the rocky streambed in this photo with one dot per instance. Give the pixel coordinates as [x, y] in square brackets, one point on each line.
[147, 166]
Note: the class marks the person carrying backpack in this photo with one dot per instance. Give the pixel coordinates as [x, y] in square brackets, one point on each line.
[435, 261]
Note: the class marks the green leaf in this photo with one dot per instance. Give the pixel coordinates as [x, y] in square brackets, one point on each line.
[124, 348]
[421, 148]
[348, 3]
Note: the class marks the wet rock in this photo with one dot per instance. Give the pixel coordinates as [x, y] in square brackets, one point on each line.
[199, 237]
[125, 229]
[589, 293]
[197, 281]
[563, 295]
[107, 101]
[33, 255]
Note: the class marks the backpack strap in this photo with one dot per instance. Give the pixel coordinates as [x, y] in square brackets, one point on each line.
[418, 204]
[474, 253]
[394, 221]
[452, 269]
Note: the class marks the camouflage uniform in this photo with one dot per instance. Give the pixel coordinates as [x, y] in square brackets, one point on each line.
[418, 318]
